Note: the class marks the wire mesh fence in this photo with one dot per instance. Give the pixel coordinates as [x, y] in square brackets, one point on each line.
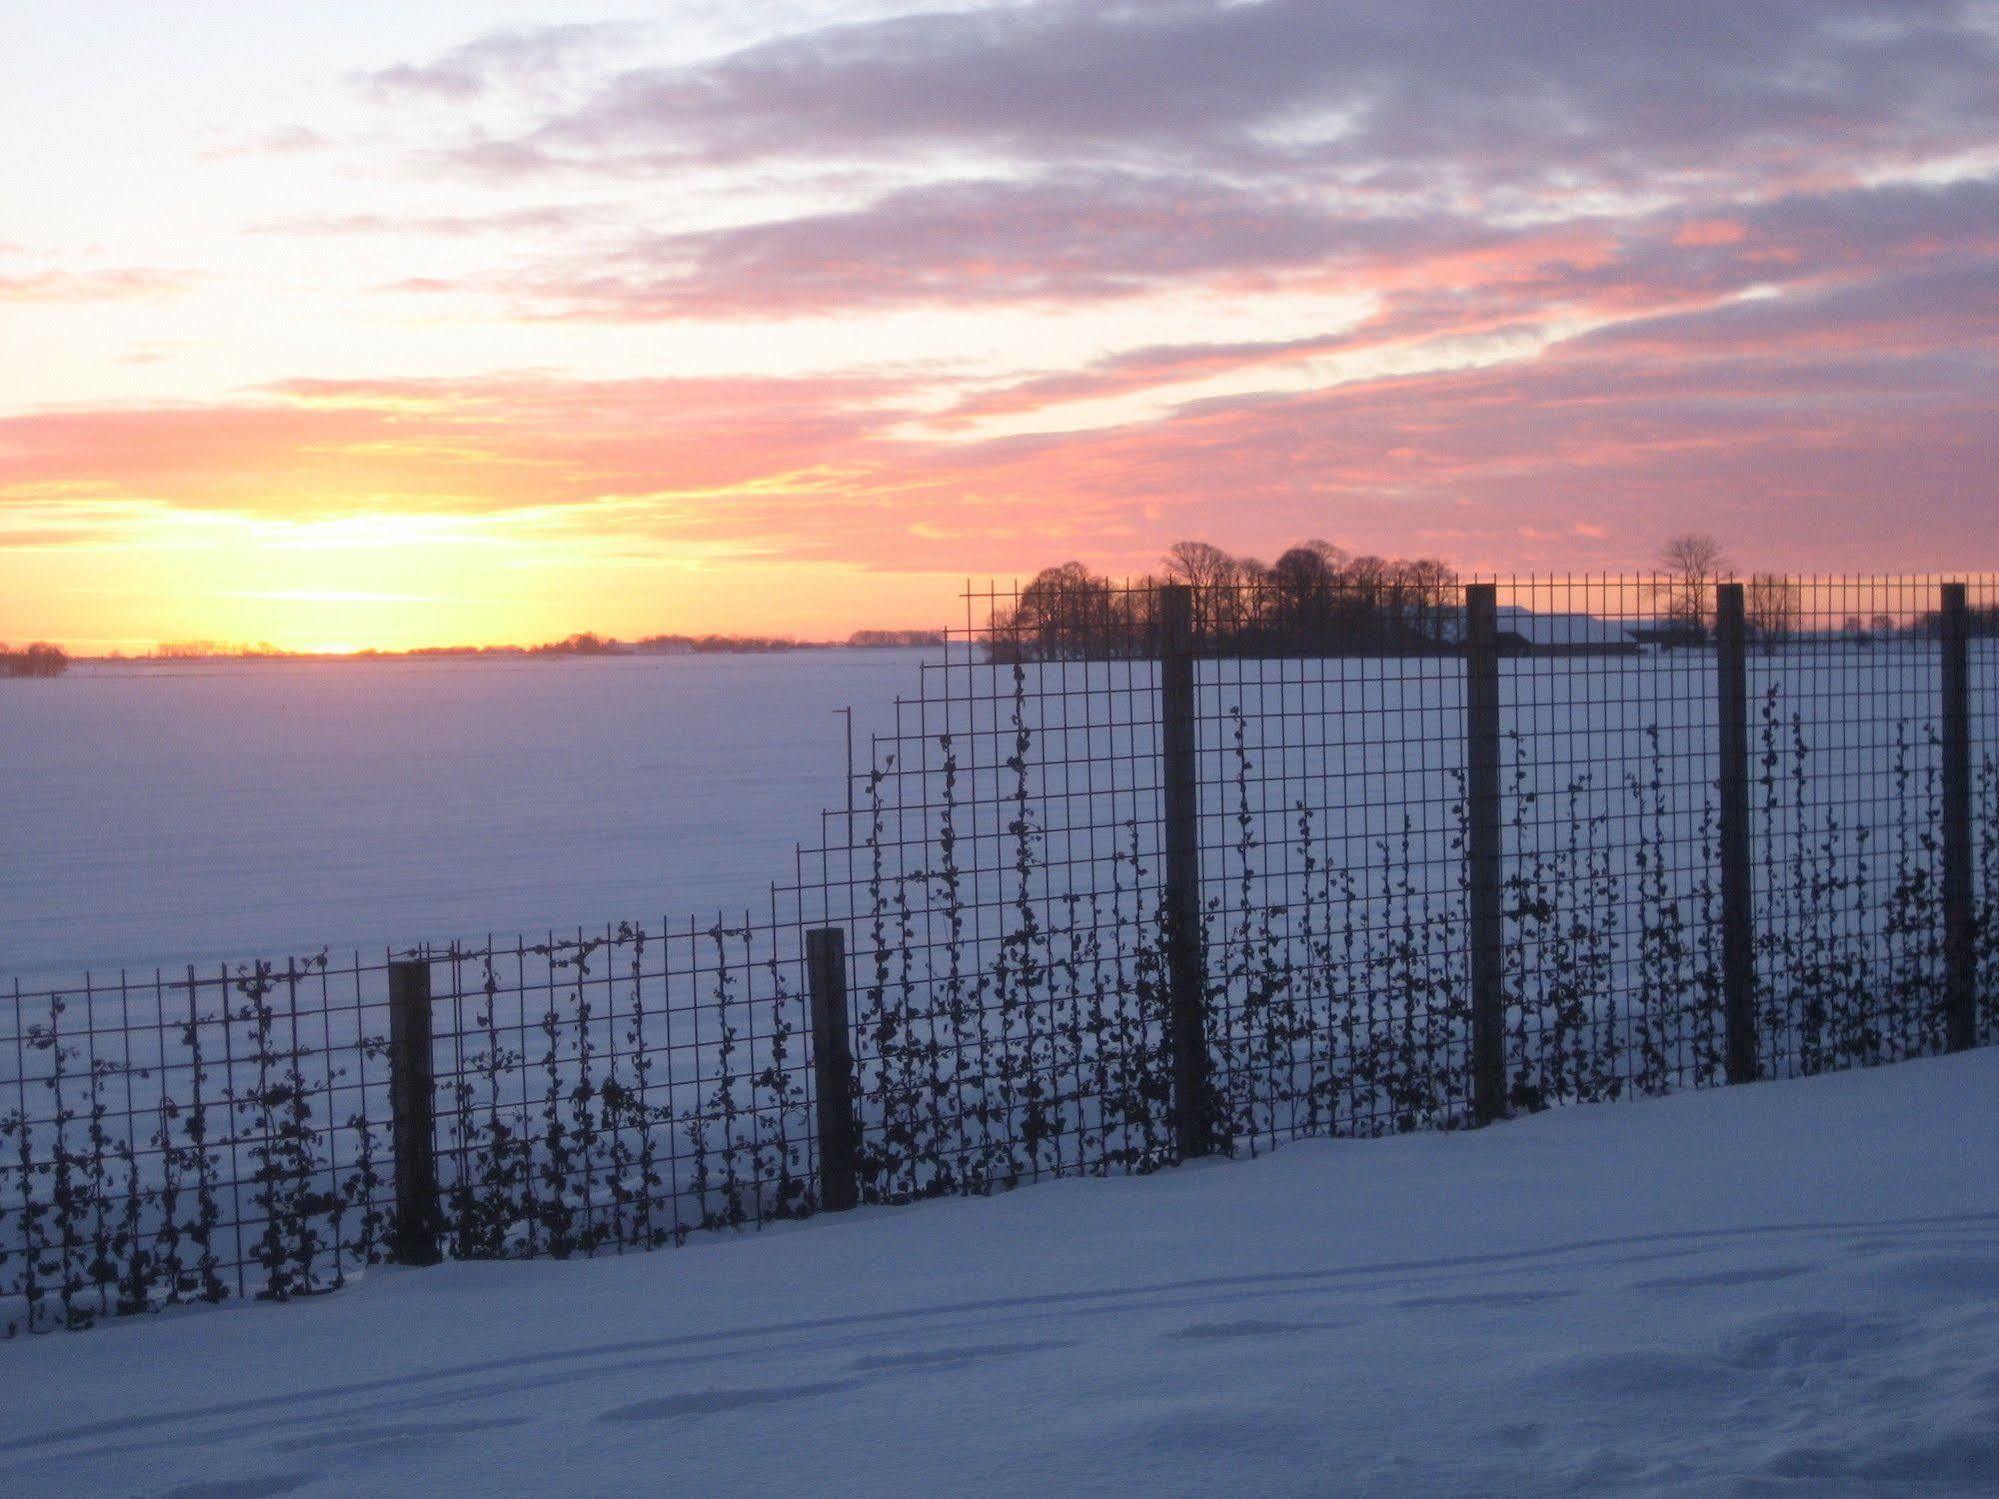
[191, 1138]
[204, 1137]
[1137, 873]
[618, 1091]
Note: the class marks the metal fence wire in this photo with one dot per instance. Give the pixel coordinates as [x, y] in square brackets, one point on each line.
[1137, 873]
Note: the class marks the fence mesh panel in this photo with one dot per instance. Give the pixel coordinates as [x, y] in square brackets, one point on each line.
[1003, 872]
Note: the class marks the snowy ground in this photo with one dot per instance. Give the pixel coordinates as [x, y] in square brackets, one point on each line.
[197, 813]
[223, 812]
[1791, 1288]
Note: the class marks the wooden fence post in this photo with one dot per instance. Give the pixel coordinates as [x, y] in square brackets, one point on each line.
[1186, 968]
[1959, 944]
[1483, 857]
[1738, 881]
[411, 1108]
[832, 1067]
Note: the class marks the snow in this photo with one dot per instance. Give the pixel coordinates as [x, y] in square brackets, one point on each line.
[1561, 629]
[1539, 628]
[210, 813]
[1790, 1288]
[201, 813]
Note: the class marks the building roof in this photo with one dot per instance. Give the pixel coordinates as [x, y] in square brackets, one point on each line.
[1531, 628]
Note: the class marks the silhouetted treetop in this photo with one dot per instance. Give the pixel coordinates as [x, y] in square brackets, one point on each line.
[37, 660]
[1315, 599]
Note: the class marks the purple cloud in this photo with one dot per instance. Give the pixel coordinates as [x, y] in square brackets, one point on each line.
[1476, 167]
[1531, 90]
[468, 72]
[1077, 236]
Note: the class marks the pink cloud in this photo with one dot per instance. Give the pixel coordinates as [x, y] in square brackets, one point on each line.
[1801, 447]
[116, 284]
[321, 446]
[1701, 233]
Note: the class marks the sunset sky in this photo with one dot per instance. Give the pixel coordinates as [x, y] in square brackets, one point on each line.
[375, 324]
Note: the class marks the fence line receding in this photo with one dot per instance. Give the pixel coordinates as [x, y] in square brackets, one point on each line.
[1136, 874]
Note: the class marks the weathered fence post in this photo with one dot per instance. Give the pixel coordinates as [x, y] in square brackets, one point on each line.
[410, 1105]
[832, 1067]
[1483, 858]
[1959, 945]
[1186, 975]
[1738, 888]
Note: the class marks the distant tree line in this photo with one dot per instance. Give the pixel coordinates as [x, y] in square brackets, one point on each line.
[735, 645]
[216, 650]
[590, 643]
[894, 639]
[583, 643]
[1981, 622]
[38, 660]
[1693, 566]
[1314, 599]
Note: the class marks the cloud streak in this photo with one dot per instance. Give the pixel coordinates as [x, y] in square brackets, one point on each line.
[1514, 92]
[524, 55]
[111, 284]
[1813, 427]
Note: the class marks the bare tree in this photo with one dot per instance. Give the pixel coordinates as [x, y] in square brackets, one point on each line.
[1315, 597]
[1692, 563]
[38, 660]
[1215, 579]
[1199, 564]
[1434, 582]
[1302, 585]
[1064, 613]
[1421, 590]
[1773, 608]
[1248, 595]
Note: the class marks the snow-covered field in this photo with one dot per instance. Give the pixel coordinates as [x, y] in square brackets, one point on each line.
[190, 813]
[1790, 1288]
[195, 813]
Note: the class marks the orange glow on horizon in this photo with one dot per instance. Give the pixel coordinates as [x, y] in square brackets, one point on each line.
[389, 583]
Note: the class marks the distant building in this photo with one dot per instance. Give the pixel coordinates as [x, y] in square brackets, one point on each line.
[1523, 632]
